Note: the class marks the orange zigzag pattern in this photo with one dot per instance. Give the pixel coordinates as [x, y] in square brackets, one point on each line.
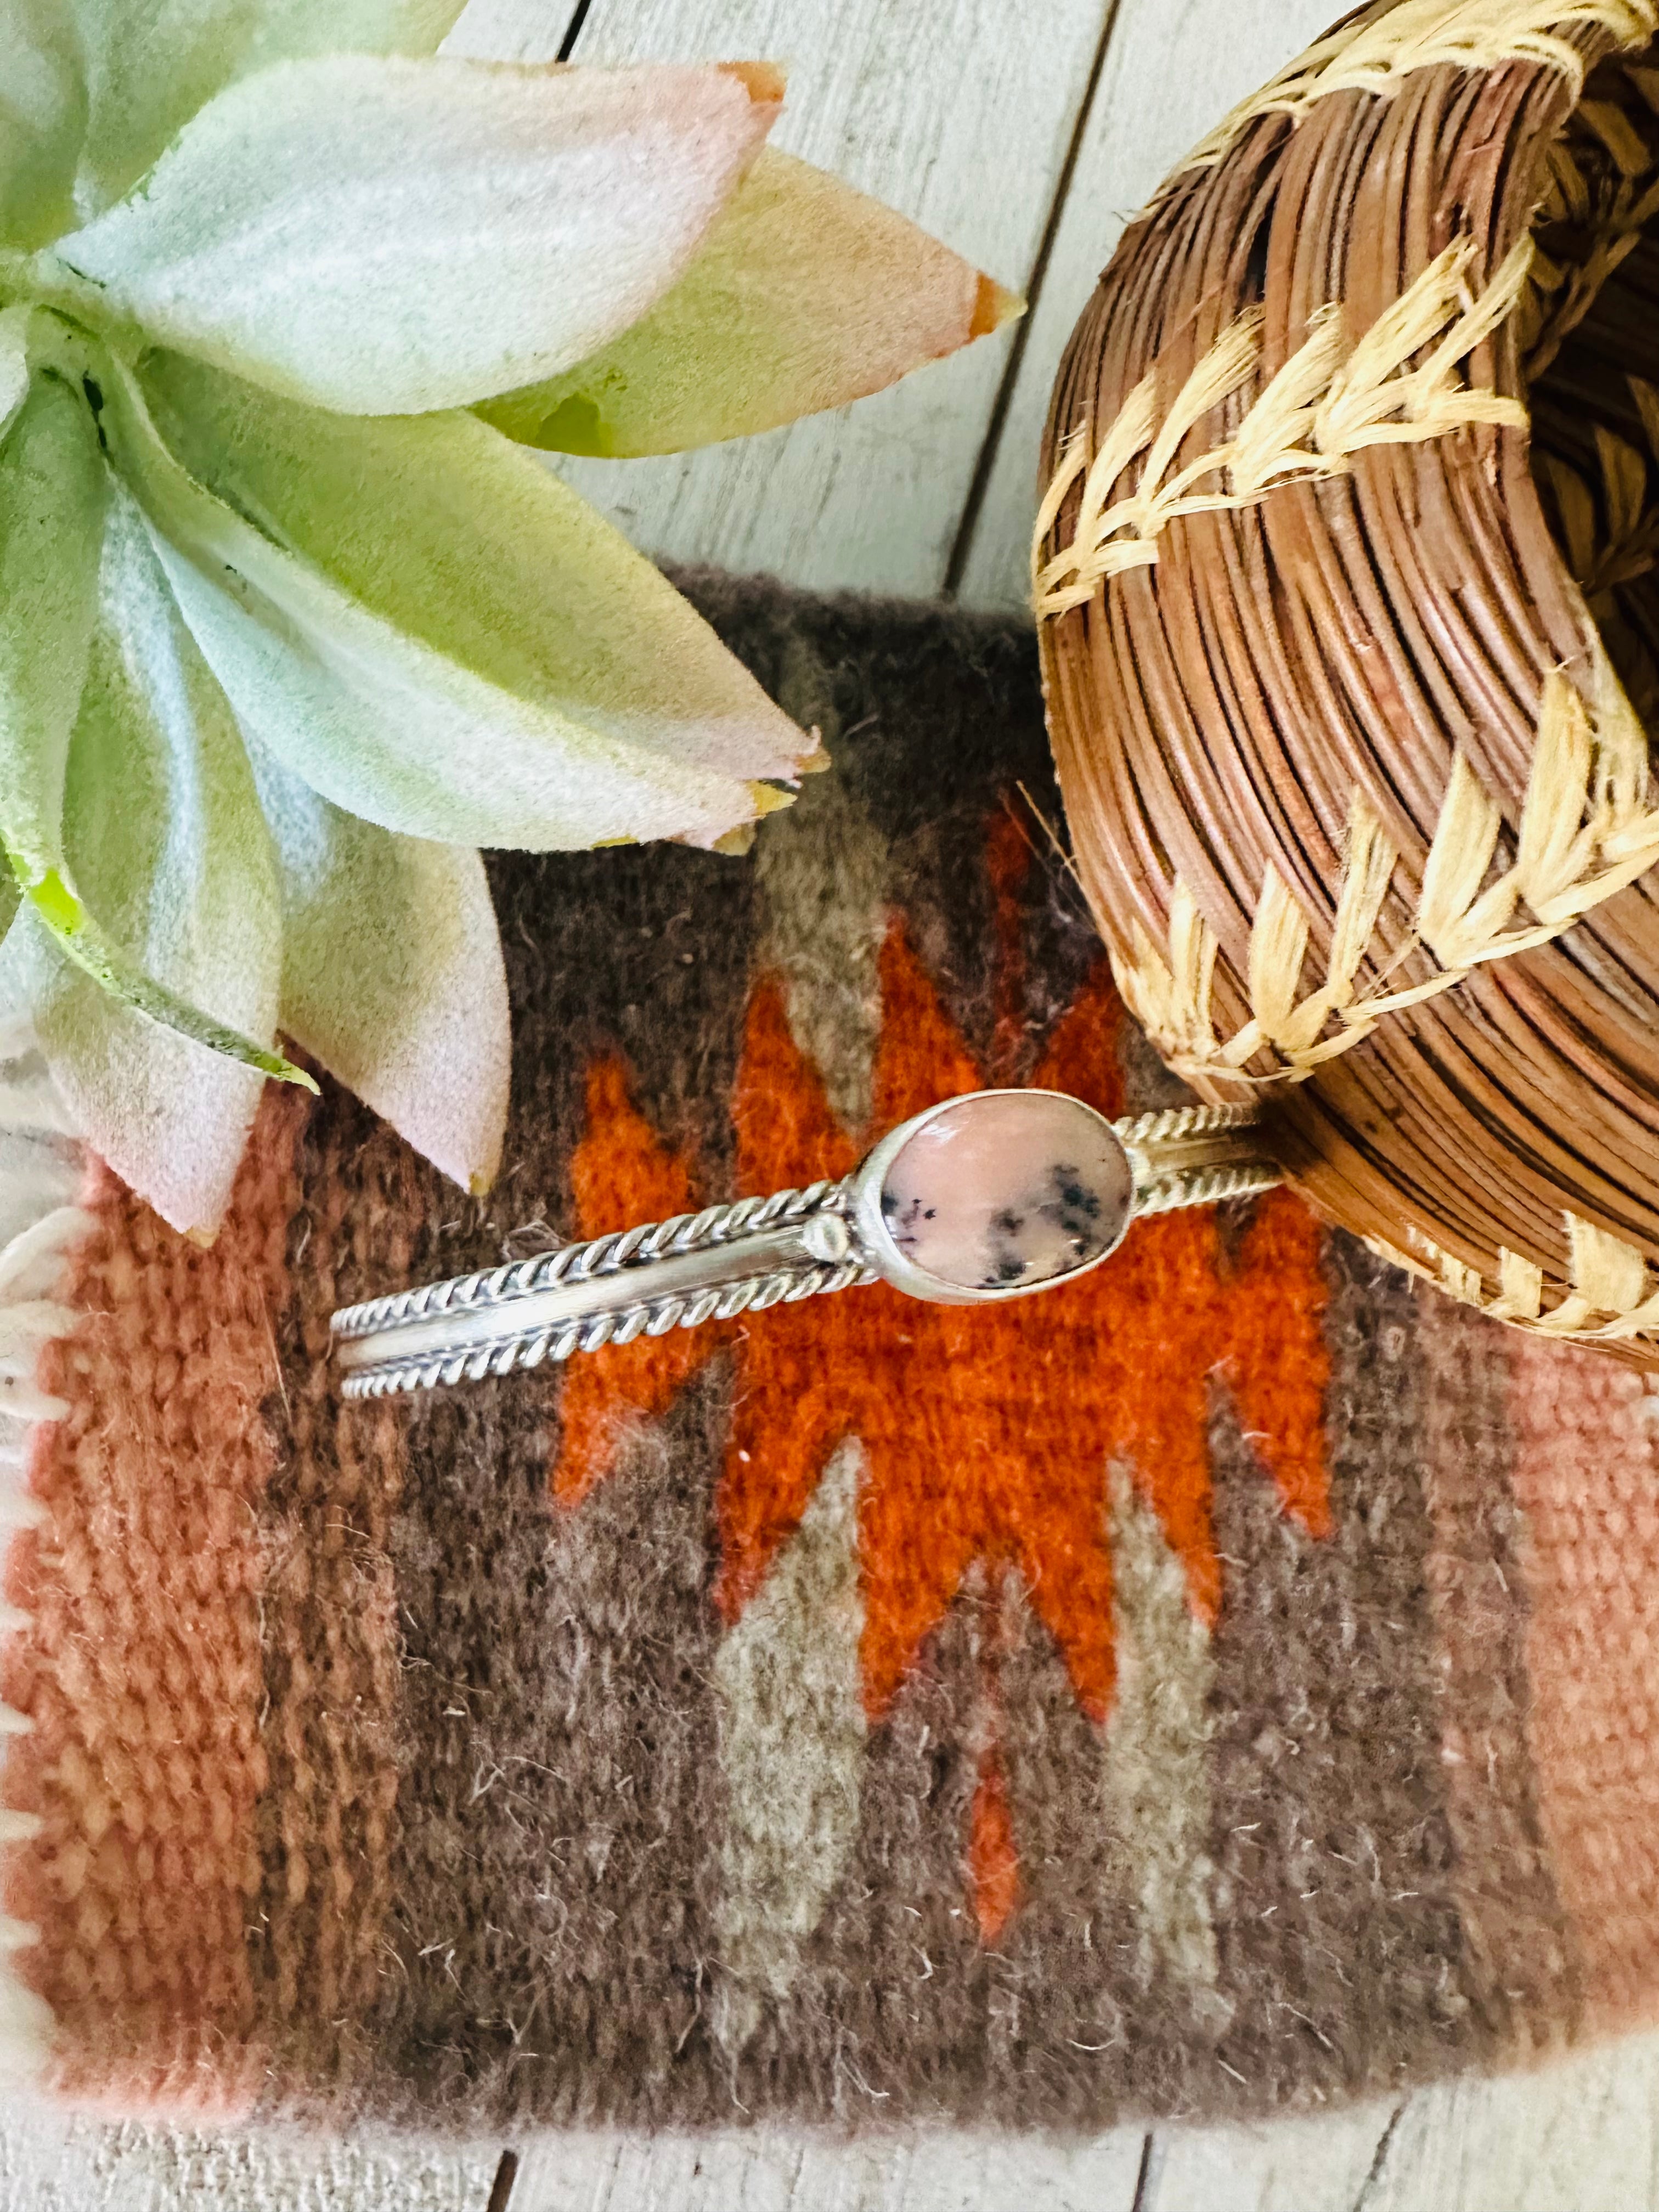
[987, 1432]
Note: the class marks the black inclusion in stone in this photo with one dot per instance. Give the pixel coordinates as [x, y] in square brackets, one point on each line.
[902, 1221]
[1073, 1206]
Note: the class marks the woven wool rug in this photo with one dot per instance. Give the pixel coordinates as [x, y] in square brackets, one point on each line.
[1227, 1683]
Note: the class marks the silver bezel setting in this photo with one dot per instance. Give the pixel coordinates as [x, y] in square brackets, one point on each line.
[875, 1239]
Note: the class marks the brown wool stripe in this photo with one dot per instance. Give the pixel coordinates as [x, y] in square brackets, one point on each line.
[332, 1635]
[1330, 1825]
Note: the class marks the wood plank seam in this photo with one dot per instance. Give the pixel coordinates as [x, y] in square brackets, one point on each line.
[501, 2192]
[1373, 2180]
[572, 32]
[1151, 2168]
[985, 461]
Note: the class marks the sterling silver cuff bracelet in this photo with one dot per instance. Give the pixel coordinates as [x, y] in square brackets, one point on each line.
[983, 1198]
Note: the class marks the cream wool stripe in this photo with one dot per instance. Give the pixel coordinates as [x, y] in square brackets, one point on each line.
[821, 880]
[1588, 829]
[1377, 55]
[40, 1178]
[791, 1736]
[1155, 1771]
[1328, 401]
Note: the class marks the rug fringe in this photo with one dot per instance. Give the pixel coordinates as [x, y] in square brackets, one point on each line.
[41, 1172]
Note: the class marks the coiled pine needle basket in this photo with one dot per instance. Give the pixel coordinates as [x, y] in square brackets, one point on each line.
[1347, 585]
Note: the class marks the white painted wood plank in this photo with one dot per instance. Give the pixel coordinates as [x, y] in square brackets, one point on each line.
[776, 2172]
[52, 2163]
[512, 30]
[1174, 68]
[1579, 2137]
[1318, 2165]
[958, 112]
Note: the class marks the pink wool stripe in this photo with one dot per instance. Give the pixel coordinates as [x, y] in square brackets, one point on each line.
[1587, 1479]
[134, 1790]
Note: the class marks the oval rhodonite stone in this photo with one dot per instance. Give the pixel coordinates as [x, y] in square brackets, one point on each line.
[1005, 1190]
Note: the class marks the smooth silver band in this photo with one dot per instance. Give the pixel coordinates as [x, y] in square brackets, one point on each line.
[728, 1260]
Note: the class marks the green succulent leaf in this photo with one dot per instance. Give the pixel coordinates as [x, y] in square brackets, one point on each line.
[53, 484]
[151, 63]
[805, 295]
[42, 117]
[427, 628]
[393, 236]
[163, 827]
[52, 489]
[53, 901]
[392, 974]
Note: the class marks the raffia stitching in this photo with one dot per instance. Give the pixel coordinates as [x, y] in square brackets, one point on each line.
[1588, 829]
[1328, 401]
[1377, 57]
[1609, 1297]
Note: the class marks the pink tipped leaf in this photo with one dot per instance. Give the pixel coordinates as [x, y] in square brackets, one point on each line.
[387, 236]
[434, 633]
[805, 295]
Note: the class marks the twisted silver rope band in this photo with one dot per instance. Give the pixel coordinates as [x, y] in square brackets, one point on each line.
[600, 1257]
[654, 1317]
[1165, 1149]
[603, 1260]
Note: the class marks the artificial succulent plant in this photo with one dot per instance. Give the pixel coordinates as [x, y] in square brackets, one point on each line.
[291, 623]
